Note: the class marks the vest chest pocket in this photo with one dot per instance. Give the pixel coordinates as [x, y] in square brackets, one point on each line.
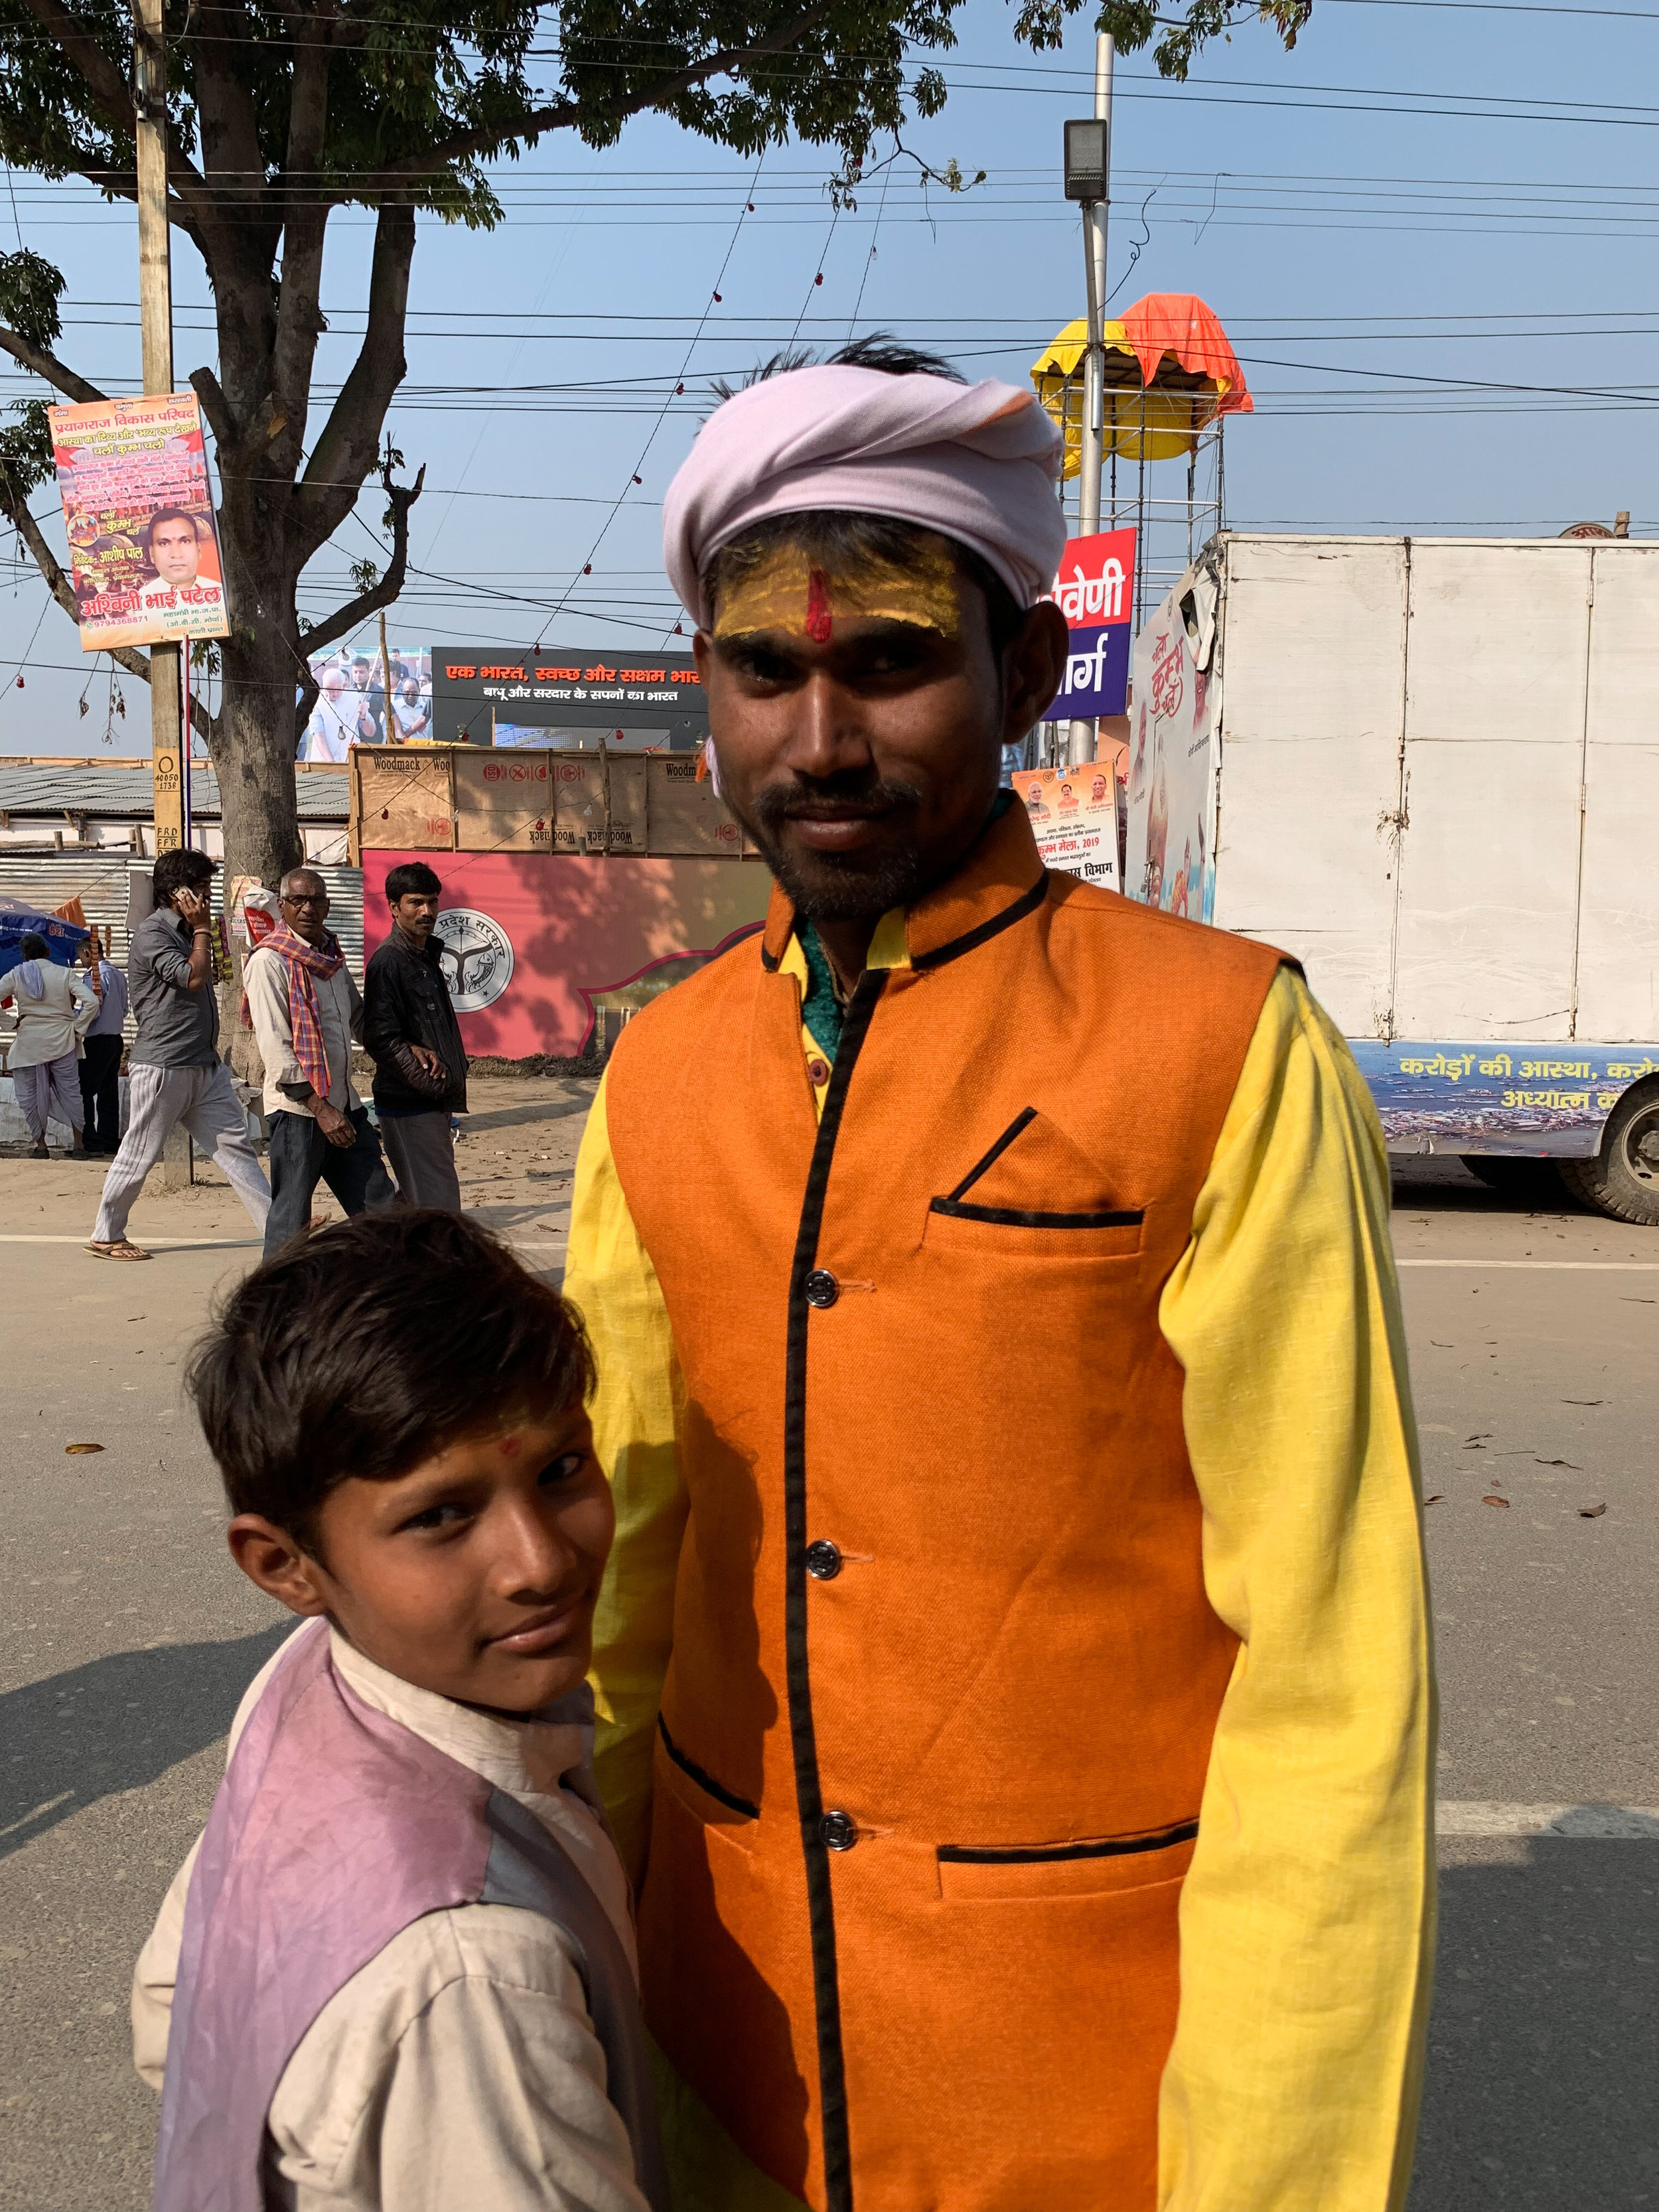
[988, 1874]
[1034, 1194]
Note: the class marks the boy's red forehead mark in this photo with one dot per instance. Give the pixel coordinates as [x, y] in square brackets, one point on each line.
[818, 611]
[510, 1445]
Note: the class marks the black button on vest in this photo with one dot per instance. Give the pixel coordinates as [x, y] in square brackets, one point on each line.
[822, 1288]
[838, 1831]
[823, 1560]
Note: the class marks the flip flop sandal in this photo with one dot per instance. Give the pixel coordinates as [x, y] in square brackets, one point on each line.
[126, 1250]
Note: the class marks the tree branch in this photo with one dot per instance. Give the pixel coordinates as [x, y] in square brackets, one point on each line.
[44, 364]
[535, 122]
[136, 664]
[346, 449]
[113, 94]
[108, 87]
[345, 619]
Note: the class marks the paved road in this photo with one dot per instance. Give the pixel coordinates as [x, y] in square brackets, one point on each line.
[1534, 1342]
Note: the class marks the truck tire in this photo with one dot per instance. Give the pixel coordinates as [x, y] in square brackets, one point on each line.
[1623, 1178]
[1536, 1181]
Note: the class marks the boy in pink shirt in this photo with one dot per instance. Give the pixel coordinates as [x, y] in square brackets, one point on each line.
[397, 1972]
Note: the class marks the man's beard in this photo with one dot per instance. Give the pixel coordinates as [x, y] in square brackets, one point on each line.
[836, 886]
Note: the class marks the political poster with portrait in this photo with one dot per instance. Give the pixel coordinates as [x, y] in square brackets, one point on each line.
[1073, 816]
[1170, 858]
[144, 555]
[356, 705]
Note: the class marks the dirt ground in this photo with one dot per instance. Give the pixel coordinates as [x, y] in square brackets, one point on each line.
[516, 1155]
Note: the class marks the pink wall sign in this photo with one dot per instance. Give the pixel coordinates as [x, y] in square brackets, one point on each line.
[539, 949]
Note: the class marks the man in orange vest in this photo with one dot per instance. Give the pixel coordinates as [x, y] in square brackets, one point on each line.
[1014, 1662]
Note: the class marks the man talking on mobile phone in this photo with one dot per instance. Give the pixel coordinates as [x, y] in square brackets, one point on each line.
[176, 1076]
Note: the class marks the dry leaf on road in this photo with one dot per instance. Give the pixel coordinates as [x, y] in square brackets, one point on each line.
[1490, 1498]
[1592, 1512]
[73, 1449]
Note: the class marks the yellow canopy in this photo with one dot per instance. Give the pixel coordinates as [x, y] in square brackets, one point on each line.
[1140, 423]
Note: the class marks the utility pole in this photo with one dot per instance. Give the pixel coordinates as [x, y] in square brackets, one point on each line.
[150, 88]
[169, 758]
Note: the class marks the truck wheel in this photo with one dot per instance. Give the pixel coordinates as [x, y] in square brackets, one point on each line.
[1536, 1181]
[1623, 1178]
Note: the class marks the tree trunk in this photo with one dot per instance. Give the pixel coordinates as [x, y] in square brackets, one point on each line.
[253, 747]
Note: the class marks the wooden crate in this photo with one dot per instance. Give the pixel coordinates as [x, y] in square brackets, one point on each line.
[580, 782]
[685, 816]
[521, 799]
[504, 802]
[402, 800]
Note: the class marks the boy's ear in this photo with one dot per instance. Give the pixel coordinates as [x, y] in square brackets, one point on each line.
[271, 1557]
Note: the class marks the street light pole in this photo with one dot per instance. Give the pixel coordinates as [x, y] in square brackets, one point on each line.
[1095, 213]
[1088, 181]
[150, 88]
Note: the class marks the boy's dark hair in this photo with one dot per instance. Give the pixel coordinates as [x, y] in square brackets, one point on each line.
[183, 869]
[34, 947]
[369, 1347]
[411, 876]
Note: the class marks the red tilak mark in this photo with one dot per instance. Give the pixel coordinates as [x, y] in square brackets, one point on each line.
[511, 1446]
[817, 606]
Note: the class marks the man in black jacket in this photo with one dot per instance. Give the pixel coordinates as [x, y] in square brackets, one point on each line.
[410, 1032]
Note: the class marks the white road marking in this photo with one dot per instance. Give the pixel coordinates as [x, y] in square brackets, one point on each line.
[1580, 1266]
[1625, 1823]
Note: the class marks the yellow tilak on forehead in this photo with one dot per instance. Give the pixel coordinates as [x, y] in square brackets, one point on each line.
[786, 591]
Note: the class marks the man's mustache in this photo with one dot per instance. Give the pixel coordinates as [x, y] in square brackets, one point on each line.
[802, 797]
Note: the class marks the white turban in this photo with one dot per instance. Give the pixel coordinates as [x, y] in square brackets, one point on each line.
[978, 463]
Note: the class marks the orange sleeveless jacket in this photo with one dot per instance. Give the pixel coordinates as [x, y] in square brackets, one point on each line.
[909, 1924]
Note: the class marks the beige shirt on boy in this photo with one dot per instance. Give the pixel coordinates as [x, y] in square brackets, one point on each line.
[459, 2068]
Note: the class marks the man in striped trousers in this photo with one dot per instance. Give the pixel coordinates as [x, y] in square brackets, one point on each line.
[176, 1076]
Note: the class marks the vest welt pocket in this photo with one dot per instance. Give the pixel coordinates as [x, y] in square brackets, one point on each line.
[974, 1873]
[711, 1801]
[955, 1224]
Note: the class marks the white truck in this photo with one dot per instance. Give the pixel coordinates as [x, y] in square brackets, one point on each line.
[1429, 769]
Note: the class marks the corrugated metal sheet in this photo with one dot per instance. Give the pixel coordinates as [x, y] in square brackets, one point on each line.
[111, 793]
[100, 882]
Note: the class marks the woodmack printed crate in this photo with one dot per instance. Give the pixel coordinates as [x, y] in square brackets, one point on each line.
[468, 798]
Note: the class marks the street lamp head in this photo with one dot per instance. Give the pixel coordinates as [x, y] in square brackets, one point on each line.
[1088, 158]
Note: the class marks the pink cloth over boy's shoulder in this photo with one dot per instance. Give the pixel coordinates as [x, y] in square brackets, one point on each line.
[977, 462]
[432, 1849]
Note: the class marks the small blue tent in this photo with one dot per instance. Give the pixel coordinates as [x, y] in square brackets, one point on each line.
[17, 921]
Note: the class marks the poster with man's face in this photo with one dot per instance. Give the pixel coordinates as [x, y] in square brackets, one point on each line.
[359, 702]
[138, 514]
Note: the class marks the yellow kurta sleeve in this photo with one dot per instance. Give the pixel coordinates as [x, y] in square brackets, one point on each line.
[610, 1279]
[1307, 1921]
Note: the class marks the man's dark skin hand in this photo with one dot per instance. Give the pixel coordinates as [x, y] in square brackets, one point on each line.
[305, 909]
[415, 916]
[865, 766]
[196, 912]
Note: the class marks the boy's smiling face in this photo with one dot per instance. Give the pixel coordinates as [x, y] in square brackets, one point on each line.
[473, 1575]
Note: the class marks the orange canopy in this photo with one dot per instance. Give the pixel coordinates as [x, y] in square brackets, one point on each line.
[1179, 323]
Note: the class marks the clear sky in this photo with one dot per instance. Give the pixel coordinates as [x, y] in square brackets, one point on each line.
[1430, 233]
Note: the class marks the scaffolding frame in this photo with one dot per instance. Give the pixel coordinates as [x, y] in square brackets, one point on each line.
[1170, 531]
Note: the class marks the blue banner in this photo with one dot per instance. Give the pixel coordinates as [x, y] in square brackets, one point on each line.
[1097, 675]
[1542, 1100]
